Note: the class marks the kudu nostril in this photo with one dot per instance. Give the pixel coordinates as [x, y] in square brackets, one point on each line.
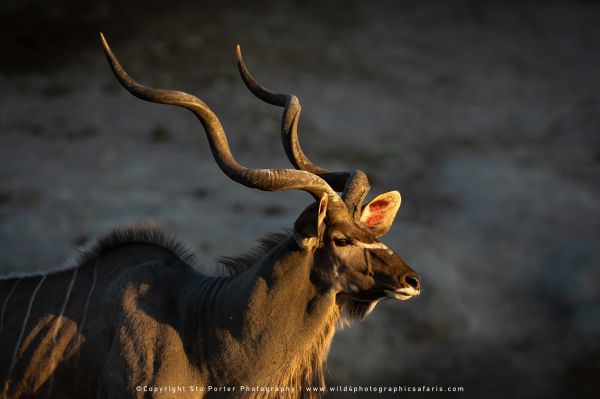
[413, 281]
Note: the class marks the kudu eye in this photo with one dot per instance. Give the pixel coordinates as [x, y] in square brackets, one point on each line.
[342, 241]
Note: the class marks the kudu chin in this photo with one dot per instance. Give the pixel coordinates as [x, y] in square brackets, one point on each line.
[132, 315]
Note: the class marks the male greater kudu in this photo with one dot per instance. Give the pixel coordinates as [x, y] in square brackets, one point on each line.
[133, 315]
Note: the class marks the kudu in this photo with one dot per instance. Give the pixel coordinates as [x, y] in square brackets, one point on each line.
[132, 315]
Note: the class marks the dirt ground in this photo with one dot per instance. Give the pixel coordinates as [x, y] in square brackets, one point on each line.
[486, 117]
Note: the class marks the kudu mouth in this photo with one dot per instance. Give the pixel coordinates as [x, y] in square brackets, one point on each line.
[386, 291]
[402, 294]
[410, 286]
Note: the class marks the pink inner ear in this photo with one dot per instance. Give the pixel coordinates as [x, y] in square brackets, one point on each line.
[378, 205]
[374, 219]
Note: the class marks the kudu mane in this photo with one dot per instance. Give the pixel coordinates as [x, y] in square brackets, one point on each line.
[230, 265]
[118, 238]
[233, 265]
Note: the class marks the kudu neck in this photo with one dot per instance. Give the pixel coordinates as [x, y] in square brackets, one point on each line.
[273, 313]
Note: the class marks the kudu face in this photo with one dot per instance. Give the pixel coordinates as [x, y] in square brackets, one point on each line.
[341, 232]
[347, 248]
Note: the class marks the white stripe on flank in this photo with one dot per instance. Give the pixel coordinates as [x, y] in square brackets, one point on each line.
[64, 305]
[57, 327]
[5, 304]
[24, 327]
[89, 297]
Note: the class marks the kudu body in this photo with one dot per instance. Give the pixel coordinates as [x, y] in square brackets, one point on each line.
[132, 315]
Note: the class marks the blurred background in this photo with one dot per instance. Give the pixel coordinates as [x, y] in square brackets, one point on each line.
[485, 116]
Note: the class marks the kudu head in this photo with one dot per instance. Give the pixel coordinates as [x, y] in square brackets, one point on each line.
[341, 233]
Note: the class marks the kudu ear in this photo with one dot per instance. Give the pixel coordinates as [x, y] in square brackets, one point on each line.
[321, 215]
[378, 215]
[309, 233]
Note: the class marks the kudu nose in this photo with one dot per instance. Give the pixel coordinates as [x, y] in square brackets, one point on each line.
[412, 280]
